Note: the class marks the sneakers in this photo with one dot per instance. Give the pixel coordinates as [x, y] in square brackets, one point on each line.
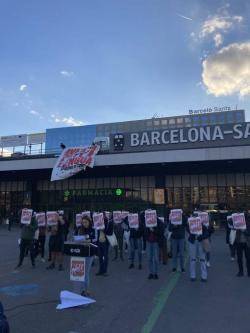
[183, 270]
[151, 276]
[99, 274]
[174, 270]
[232, 259]
[156, 277]
[208, 264]
[131, 266]
[240, 274]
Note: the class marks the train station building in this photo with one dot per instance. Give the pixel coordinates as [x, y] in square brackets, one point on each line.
[154, 163]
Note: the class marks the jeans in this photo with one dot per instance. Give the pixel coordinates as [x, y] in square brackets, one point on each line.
[103, 251]
[178, 250]
[240, 248]
[24, 246]
[196, 252]
[135, 244]
[153, 257]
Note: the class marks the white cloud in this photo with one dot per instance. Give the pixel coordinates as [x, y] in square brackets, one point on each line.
[66, 73]
[35, 113]
[216, 26]
[23, 87]
[228, 71]
[218, 39]
[66, 120]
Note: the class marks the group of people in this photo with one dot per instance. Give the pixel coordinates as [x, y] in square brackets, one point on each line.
[163, 239]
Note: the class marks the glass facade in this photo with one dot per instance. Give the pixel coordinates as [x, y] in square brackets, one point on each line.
[135, 193]
[70, 136]
[230, 190]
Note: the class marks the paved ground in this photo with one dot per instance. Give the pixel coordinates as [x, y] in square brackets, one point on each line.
[126, 300]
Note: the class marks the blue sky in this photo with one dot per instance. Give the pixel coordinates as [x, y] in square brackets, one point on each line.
[71, 62]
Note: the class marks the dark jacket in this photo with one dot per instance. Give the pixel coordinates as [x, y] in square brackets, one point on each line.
[243, 236]
[4, 326]
[157, 232]
[192, 238]
[178, 231]
[81, 231]
[109, 228]
[28, 230]
[134, 233]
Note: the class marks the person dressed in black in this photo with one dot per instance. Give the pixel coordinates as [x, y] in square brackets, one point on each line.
[56, 244]
[26, 244]
[4, 325]
[242, 242]
[103, 246]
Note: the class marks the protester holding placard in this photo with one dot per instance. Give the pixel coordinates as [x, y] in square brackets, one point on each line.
[105, 230]
[119, 233]
[230, 237]
[41, 222]
[29, 227]
[135, 228]
[242, 240]
[88, 232]
[197, 233]
[154, 232]
[56, 225]
[177, 227]
[205, 220]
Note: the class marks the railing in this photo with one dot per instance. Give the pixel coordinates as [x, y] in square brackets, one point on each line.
[42, 152]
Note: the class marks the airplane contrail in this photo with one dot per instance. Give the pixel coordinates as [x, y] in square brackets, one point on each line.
[185, 17]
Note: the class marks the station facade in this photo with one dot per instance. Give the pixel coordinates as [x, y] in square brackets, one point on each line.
[211, 170]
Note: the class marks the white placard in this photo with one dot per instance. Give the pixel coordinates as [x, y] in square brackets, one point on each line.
[41, 219]
[176, 216]
[52, 218]
[195, 225]
[26, 216]
[77, 269]
[133, 221]
[98, 220]
[124, 214]
[117, 216]
[150, 218]
[79, 220]
[204, 218]
[86, 213]
[239, 221]
[108, 215]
